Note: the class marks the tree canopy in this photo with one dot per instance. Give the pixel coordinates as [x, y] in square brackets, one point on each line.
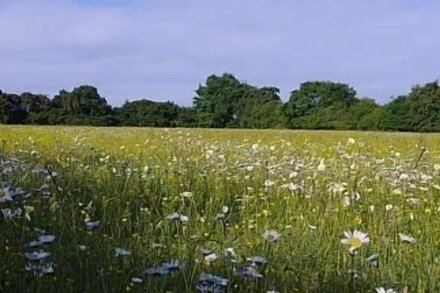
[147, 113]
[225, 101]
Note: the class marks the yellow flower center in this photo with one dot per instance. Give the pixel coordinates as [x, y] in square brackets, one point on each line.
[355, 242]
[270, 237]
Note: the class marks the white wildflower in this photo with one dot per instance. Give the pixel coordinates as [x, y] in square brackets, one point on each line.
[407, 238]
[321, 166]
[37, 255]
[186, 194]
[383, 290]
[271, 235]
[121, 252]
[355, 239]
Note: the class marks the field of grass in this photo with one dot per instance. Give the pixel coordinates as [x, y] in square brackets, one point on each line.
[181, 210]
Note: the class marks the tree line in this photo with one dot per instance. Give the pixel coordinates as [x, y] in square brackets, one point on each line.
[226, 102]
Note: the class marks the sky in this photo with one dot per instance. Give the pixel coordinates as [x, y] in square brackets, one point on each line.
[163, 49]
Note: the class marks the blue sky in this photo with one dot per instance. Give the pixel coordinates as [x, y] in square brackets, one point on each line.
[163, 49]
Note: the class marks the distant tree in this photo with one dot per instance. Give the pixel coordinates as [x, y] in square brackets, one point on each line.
[314, 104]
[187, 117]
[373, 120]
[37, 107]
[224, 101]
[354, 117]
[148, 113]
[11, 111]
[417, 111]
[261, 108]
[83, 105]
[217, 102]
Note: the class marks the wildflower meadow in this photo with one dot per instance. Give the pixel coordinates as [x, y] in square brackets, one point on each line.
[88, 209]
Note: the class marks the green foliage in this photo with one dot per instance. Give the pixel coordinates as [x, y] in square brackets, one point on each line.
[81, 106]
[217, 102]
[356, 115]
[147, 113]
[261, 108]
[311, 187]
[418, 111]
[319, 104]
[186, 117]
[226, 102]
[9, 111]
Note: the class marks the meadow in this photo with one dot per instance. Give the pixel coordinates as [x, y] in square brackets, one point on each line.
[88, 209]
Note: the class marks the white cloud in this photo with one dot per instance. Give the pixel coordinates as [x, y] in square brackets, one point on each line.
[163, 50]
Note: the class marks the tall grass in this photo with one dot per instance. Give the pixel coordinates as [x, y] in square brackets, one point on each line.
[131, 179]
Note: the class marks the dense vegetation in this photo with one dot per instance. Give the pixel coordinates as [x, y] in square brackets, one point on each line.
[88, 209]
[224, 101]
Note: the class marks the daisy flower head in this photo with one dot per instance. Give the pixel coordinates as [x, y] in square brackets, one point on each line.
[210, 257]
[247, 272]
[121, 252]
[45, 239]
[355, 239]
[257, 260]
[186, 194]
[136, 280]
[383, 290]
[321, 167]
[37, 255]
[407, 238]
[271, 235]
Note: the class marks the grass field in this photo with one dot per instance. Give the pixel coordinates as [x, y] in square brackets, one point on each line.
[181, 210]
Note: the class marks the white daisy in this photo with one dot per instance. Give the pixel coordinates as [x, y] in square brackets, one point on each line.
[213, 279]
[121, 252]
[33, 243]
[383, 290]
[407, 238]
[321, 166]
[389, 207]
[257, 260]
[90, 225]
[271, 235]
[186, 194]
[268, 183]
[184, 219]
[136, 280]
[37, 255]
[248, 272]
[230, 252]
[44, 239]
[177, 216]
[40, 269]
[172, 265]
[210, 257]
[206, 251]
[47, 268]
[220, 216]
[355, 239]
[173, 216]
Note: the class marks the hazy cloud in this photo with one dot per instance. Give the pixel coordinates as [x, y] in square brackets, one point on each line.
[163, 49]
